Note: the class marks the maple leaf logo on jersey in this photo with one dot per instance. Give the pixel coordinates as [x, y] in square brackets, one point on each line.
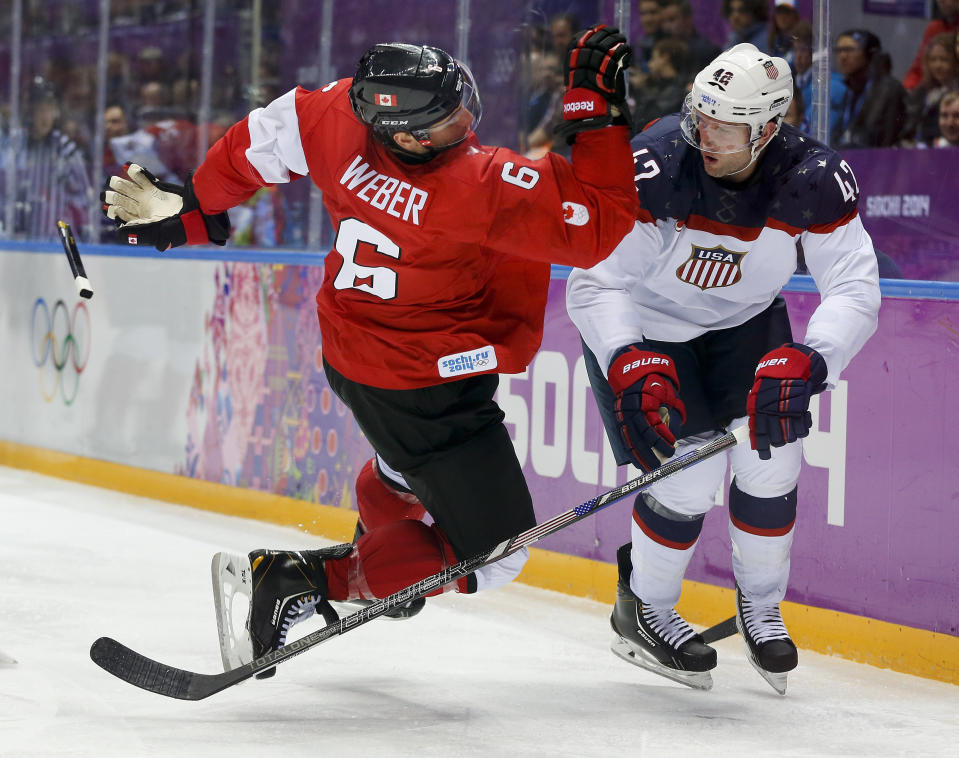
[575, 214]
[710, 267]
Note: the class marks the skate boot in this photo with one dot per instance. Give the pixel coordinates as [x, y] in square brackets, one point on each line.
[768, 646]
[657, 639]
[282, 588]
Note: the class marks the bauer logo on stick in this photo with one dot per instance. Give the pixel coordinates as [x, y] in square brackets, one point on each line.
[84, 289]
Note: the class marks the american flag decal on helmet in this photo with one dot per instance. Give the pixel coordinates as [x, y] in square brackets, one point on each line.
[771, 71]
[709, 267]
[385, 99]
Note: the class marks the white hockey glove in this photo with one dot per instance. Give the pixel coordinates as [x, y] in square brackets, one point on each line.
[160, 214]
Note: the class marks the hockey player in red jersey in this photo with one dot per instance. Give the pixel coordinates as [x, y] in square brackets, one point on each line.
[436, 283]
[685, 320]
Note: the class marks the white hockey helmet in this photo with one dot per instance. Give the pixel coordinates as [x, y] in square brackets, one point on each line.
[742, 85]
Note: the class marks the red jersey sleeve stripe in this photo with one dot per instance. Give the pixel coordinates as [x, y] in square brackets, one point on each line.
[831, 227]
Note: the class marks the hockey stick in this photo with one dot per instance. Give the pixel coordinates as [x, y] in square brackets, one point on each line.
[719, 631]
[84, 289]
[137, 669]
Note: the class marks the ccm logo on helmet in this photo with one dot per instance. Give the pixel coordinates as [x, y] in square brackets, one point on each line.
[772, 362]
[646, 362]
[582, 105]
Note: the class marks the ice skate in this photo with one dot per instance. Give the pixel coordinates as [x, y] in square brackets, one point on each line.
[768, 646]
[657, 639]
[281, 589]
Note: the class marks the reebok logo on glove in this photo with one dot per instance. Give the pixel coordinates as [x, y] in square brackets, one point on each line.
[582, 105]
[650, 361]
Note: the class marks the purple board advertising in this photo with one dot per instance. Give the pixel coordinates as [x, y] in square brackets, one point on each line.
[915, 8]
[878, 516]
[908, 206]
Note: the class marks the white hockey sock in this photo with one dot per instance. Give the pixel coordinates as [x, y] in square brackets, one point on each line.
[761, 565]
[658, 571]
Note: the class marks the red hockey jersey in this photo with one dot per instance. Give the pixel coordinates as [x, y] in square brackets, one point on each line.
[439, 270]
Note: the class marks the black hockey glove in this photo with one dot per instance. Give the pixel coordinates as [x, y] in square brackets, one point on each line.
[778, 403]
[648, 408]
[164, 215]
[595, 77]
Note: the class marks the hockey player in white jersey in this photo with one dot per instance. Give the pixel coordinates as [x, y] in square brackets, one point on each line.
[685, 333]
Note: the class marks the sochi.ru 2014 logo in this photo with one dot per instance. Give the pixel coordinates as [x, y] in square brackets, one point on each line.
[60, 342]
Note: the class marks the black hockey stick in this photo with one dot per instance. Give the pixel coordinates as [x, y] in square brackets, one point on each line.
[719, 631]
[137, 669]
[84, 289]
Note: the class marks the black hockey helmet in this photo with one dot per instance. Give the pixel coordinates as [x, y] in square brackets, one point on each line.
[411, 88]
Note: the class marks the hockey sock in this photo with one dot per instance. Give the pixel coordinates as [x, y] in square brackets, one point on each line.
[761, 530]
[663, 543]
[380, 502]
[390, 558]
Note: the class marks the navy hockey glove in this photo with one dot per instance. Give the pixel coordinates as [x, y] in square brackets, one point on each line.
[778, 404]
[164, 215]
[648, 408]
[595, 77]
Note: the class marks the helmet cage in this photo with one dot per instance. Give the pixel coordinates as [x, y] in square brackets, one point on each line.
[741, 86]
[469, 101]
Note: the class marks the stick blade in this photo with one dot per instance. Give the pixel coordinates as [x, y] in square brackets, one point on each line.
[140, 671]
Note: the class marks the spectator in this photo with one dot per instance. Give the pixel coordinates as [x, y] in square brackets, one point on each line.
[949, 22]
[796, 115]
[782, 29]
[543, 106]
[154, 66]
[127, 145]
[562, 27]
[665, 87]
[176, 136]
[747, 21]
[803, 80]
[650, 21]
[948, 121]
[51, 180]
[874, 105]
[940, 74]
[676, 21]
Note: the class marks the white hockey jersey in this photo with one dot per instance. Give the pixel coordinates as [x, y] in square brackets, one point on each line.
[708, 254]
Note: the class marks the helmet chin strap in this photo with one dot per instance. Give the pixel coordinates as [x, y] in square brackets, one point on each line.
[755, 151]
[408, 156]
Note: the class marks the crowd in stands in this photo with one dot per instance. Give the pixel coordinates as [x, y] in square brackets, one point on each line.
[151, 115]
[868, 107]
[152, 95]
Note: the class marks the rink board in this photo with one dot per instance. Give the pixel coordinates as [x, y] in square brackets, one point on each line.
[211, 371]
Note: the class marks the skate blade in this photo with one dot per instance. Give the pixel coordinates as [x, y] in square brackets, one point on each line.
[698, 680]
[775, 680]
[232, 576]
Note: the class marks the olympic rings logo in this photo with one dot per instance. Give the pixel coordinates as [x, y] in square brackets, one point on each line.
[60, 344]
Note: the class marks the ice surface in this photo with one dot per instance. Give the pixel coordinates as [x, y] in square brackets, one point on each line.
[511, 672]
